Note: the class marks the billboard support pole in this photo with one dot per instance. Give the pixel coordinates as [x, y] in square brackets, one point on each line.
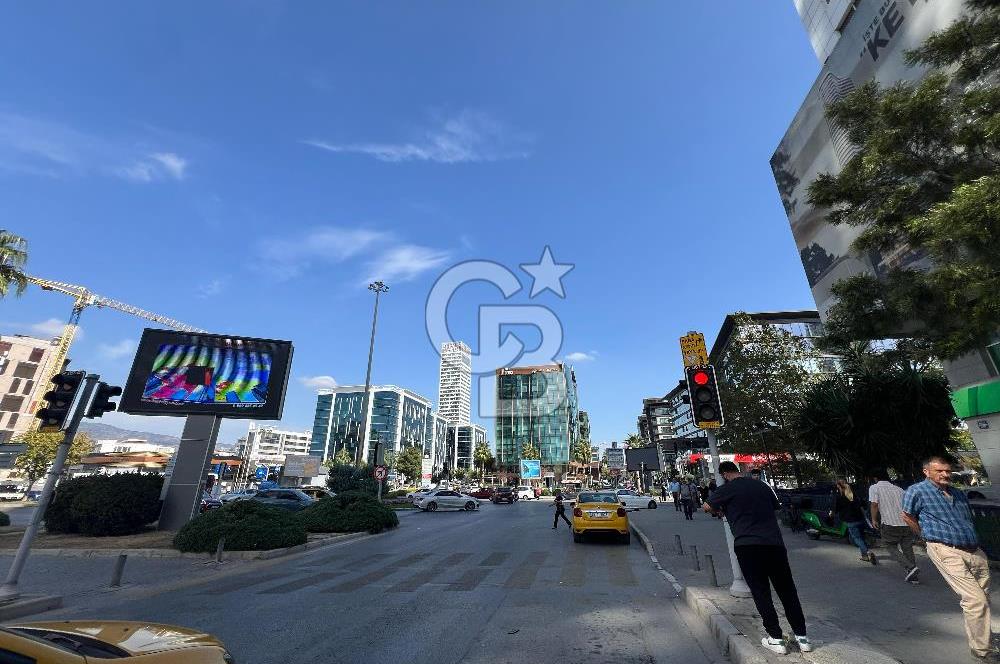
[194, 454]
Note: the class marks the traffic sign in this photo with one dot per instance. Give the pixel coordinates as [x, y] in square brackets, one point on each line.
[381, 472]
[693, 349]
[261, 472]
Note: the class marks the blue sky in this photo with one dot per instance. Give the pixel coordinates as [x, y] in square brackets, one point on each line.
[245, 167]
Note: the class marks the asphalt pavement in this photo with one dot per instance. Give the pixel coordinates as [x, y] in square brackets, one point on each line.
[19, 512]
[497, 585]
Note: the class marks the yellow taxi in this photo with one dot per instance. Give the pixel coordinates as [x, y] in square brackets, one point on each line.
[600, 512]
[80, 642]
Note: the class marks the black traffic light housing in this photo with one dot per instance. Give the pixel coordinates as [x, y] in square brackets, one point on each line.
[706, 407]
[59, 401]
[101, 402]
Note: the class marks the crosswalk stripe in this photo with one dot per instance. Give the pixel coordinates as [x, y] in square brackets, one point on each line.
[299, 584]
[429, 574]
[470, 580]
[574, 570]
[241, 582]
[495, 558]
[376, 575]
[619, 570]
[524, 575]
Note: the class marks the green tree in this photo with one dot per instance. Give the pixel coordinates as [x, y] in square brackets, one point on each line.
[529, 450]
[409, 461]
[762, 378]
[482, 456]
[924, 180]
[342, 457]
[41, 452]
[635, 440]
[883, 410]
[13, 257]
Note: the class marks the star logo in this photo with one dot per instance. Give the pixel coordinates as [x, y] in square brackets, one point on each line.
[546, 274]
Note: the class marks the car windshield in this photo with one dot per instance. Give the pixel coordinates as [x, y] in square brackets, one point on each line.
[598, 498]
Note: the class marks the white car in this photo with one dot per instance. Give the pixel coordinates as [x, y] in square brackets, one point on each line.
[11, 492]
[245, 494]
[524, 493]
[631, 500]
[414, 496]
[446, 498]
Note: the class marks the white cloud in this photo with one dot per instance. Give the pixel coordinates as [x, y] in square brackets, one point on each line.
[580, 356]
[470, 136]
[405, 262]
[212, 288]
[34, 146]
[318, 382]
[290, 256]
[52, 327]
[123, 348]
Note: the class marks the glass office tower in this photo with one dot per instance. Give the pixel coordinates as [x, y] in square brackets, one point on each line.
[537, 405]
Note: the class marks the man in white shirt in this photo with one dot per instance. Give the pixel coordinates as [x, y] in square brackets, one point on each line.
[887, 503]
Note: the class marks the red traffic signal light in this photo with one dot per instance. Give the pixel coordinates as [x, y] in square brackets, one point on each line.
[700, 377]
[706, 407]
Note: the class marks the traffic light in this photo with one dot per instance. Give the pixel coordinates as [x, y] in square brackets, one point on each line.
[59, 400]
[102, 400]
[706, 408]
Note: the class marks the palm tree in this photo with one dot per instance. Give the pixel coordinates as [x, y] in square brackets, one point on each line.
[13, 256]
[635, 440]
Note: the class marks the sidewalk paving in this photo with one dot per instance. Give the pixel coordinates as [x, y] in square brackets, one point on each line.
[855, 610]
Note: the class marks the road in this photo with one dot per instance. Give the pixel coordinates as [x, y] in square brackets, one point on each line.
[497, 585]
[19, 512]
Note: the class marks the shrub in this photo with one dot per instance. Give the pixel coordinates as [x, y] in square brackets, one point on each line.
[547, 492]
[4, 519]
[328, 516]
[105, 505]
[346, 477]
[247, 525]
[350, 497]
[398, 493]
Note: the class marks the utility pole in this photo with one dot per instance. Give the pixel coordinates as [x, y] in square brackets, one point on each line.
[739, 587]
[378, 288]
[9, 591]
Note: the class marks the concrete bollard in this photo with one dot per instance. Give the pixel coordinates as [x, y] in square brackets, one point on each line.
[713, 580]
[694, 557]
[219, 549]
[119, 569]
[678, 545]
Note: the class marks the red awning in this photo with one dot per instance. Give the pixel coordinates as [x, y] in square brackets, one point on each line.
[761, 458]
[695, 457]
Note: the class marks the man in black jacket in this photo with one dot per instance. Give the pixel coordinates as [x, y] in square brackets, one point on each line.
[560, 512]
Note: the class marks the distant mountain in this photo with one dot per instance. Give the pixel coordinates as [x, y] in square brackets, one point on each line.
[100, 431]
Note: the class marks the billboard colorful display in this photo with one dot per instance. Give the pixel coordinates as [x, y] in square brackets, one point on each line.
[531, 469]
[181, 373]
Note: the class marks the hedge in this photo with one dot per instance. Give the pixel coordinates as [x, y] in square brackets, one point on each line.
[347, 477]
[350, 516]
[105, 505]
[247, 525]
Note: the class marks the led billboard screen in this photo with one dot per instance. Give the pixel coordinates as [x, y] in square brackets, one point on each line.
[182, 373]
[531, 469]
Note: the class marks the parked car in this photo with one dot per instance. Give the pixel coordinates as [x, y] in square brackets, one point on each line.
[287, 499]
[484, 492]
[75, 641]
[413, 496]
[11, 492]
[504, 494]
[208, 503]
[245, 494]
[600, 512]
[33, 496]
[440, 498]
[635, 501]
[317, 492]
[526, 493]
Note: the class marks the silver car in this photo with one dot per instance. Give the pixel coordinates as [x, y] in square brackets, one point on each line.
[446, 498]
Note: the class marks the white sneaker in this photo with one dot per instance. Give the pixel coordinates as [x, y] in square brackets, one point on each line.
[774, 645]
[804, 644]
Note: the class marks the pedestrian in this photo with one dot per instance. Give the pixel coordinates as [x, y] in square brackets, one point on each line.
[675, 491]
[886, 500]
[702, 492]
[663, 492]
[749, 507]
[689, 498]
[560, 511]
[940, 513]
[849, 511]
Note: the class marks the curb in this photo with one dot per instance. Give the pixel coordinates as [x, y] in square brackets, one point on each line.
[173, 553]
[27, 605]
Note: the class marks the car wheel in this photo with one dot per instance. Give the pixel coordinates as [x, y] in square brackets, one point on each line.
[432, 507]
[469, 506]
[577, 537]
[626, 539]
[652, 504]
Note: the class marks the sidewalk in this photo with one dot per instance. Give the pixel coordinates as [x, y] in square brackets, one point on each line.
[853, 609]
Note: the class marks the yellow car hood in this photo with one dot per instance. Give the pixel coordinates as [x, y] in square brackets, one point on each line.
[135, 637]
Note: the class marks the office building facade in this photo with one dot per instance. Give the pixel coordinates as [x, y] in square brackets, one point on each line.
[455, 383]
[462, 442]
[538, 405]
[23, 366]
[269, 445]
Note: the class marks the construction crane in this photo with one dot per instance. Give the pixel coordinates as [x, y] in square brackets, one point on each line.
[84, 298]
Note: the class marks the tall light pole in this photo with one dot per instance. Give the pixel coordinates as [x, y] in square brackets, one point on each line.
[378, 288]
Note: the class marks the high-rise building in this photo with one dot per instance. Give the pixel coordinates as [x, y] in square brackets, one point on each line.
[805, 325]
[23, 367]
[823, 21]
[270, 445]
[455, 383]
[462, 442]
[537, 405]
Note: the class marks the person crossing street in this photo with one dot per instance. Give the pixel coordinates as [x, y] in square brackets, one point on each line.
[675, 492]
[560, 512]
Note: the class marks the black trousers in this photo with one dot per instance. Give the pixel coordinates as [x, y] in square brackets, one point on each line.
[688, 508]
[764, 566]
[561, 513]
[677, 500]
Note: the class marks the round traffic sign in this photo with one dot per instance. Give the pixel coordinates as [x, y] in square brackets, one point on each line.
[381, 472]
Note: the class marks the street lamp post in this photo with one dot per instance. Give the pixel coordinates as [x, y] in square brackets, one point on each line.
[739, 587]
[378, 288]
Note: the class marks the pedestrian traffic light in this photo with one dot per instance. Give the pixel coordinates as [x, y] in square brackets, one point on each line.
[102, 400]
[706, 407]
[59, 400]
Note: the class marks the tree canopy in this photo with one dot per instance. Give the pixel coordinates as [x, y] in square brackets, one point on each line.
[41, 452]
[13, 257]
[529, 450]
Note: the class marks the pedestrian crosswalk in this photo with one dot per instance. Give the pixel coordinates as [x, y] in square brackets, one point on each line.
[451, 571]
